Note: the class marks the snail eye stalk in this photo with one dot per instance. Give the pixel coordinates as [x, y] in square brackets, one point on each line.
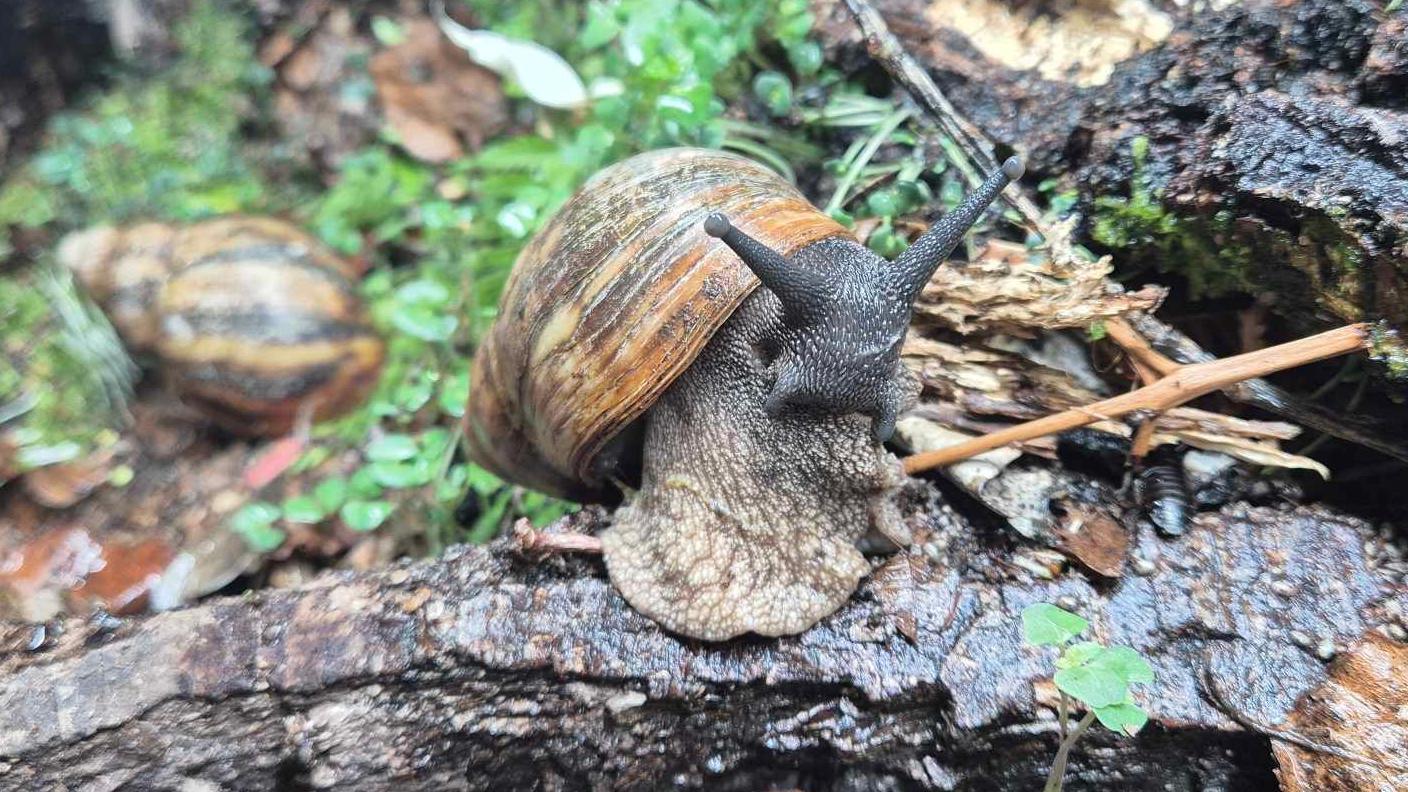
[802, 292]
[916, 265]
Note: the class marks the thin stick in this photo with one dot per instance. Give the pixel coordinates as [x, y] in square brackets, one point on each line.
[1057, 775]
[1138, 348]
[1183, 384]
[529, 540]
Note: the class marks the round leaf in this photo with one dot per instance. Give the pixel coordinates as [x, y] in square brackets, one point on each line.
[304, 509]
[392, 448]
[1125, 662]
[1044, 624]
[364, 516]
[1095, 686]
[1123, 717]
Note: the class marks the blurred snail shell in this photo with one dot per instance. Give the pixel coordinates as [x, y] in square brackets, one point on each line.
[249, 318]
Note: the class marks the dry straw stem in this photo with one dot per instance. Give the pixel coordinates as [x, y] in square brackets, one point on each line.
[1177, 385]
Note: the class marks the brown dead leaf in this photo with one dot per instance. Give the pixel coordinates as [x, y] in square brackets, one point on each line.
[322, 99]
[896, 585]
[125, 578]
[1092, 536]
[61, 486]
[434, 96]
[1362, 710]
[1008, 288]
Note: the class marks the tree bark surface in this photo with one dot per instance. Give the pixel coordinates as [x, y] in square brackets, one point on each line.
[486, 670]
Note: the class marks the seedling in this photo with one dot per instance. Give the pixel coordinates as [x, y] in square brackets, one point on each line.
[1095, 675]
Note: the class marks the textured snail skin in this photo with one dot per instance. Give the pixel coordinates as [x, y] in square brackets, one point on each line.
[744, 521]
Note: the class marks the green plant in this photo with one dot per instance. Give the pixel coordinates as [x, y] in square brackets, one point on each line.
[1092, 674]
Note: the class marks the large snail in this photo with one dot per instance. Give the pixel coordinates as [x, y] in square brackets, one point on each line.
[252, 321]
[628, 335]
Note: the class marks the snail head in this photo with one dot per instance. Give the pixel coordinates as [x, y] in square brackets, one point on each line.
[845, 310]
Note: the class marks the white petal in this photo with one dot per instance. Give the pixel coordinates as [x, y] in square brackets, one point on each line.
[542, 74]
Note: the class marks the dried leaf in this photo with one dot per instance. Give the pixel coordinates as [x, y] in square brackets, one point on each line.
[1361, 710]
[1008, 288]
[896, 585]
[1251, 451]
[435, 97]
[1092, 536]
[542, 74]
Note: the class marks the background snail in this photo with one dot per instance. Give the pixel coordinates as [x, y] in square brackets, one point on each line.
[626, 333]
[250, 319]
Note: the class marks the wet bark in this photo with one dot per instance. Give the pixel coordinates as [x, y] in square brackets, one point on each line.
[1258, 149]
[489, 671]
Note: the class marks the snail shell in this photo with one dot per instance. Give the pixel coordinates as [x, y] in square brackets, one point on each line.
[612, 300]
[250, 319]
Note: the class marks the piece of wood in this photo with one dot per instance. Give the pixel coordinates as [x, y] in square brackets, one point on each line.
[1182, 385]
[485, 670]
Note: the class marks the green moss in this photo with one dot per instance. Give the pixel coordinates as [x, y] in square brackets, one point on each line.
[165, 148]
[1203, 249]
[1386, 347]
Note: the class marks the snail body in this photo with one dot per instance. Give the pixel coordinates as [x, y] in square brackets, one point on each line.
[633, 333]
[250, 319]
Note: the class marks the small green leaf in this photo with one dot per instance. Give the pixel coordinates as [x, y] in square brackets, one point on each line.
[1096, 331]
[330, 493]
[1127, 663]
[454, 393]
[421, 321]
[482, 481]
[363, 485]
[255, 523]
[1044, 624]
[362, 516]
[774, 90]
[388, 32]
[304, 509]
[805, 56]
[1123, 717]
[392, 448]
[399, 475]
[1095, 686]
[601, 26]
[1079, 654]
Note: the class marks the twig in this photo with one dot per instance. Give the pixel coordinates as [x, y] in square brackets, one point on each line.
[887, 50]
[1183, 384]
[1058, 768]
[1179, 349]
[530, 541]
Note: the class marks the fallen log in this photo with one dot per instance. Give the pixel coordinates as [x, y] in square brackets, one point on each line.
[487, 669]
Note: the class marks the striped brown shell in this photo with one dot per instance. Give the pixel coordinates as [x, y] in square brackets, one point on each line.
[612, 300]
[250, 319]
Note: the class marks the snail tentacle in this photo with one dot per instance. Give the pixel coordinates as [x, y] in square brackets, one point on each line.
[803, 293]
[916, 265]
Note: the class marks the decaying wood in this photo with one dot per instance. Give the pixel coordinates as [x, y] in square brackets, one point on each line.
[1359, 711]
[490, 671]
